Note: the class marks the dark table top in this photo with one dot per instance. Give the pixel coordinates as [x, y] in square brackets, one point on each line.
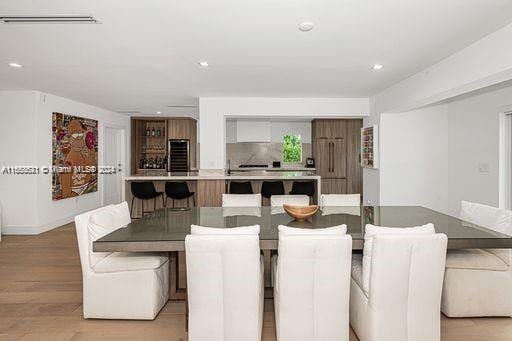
[165, 229]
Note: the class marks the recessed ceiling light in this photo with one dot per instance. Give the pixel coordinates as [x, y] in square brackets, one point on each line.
[377, 66]
[16, 65]
[306, 26]
[203, 64]
[158, 112]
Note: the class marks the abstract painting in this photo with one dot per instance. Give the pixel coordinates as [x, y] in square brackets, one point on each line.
[74, 156]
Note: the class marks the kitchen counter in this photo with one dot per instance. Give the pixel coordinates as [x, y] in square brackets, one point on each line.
[235, 175]
[210, 185]
[272, 169]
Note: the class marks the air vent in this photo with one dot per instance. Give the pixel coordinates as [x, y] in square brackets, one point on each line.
[48, 19]
[128, 111]
[182, 106]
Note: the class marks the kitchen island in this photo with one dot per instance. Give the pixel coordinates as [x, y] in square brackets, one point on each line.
[209, 186]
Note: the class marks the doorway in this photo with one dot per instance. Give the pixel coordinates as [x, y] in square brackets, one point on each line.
[113, 157]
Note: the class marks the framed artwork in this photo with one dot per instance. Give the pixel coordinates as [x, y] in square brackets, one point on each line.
[74, 156]
[370, 147]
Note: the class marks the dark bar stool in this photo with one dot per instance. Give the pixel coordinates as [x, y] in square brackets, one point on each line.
[303, 188]
[178, 191]
[270, 188]
[144, 190]
[240, 187]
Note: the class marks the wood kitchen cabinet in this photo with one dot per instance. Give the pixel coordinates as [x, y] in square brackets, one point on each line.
[354, 169]
[146, 145]
[332, 163]
[336, 149]
[334, 186]
[184, 128]
[328, 129]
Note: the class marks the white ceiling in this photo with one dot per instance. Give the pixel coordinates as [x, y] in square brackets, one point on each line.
[143, 56]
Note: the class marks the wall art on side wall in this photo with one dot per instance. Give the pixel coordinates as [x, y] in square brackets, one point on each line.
[370, 147]
[74, 156]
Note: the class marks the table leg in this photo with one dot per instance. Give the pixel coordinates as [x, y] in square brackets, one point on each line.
[175, 292]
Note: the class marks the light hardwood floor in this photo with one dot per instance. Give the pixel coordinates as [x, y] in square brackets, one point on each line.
[41, 299]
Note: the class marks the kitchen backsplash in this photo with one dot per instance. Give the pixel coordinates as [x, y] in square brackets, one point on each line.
[260, 153]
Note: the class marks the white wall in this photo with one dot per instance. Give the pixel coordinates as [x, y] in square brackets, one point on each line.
[277, 130]
[484, 63]
[214, 110]
[431, 156]
[474, 124]
[17, 141]
[280, 128]
[371, 177]
[37, 116]
[414, 159]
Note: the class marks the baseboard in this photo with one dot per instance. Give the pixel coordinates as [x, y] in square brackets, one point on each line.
[20, 230]
[38, 229]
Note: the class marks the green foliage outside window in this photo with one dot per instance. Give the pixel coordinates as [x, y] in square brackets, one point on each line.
[292, 148]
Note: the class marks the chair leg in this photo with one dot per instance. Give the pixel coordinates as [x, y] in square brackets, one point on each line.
[154, 204]
[188, 202]
[172, 202]
[163, 202]
[186, 312]
[131, 208]
[194, 199]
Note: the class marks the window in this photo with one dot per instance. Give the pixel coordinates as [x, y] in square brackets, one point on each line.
[292, 148]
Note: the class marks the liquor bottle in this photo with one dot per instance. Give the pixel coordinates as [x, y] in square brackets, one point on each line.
[153, 132]
[148, 132]
[158, 132]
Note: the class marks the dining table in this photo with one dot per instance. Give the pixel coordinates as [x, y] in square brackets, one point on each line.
[164, 230]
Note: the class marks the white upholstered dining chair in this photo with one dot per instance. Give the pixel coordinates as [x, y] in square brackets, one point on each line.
[290, 199]
[478, 282]
[118, 285]
[241, 200]
[224, 284]
[340, 204]
[311, 279]
[395, 291]
[340, 200]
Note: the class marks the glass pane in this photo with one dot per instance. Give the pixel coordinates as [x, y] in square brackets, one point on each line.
[292, 148]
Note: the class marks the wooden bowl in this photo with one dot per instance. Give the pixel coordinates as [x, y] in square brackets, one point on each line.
[300, 213]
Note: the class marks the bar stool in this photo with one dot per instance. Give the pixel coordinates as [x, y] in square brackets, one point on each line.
[270, 188]
[303, 188]
[179, 191]
[240, 187]
[144, 190]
